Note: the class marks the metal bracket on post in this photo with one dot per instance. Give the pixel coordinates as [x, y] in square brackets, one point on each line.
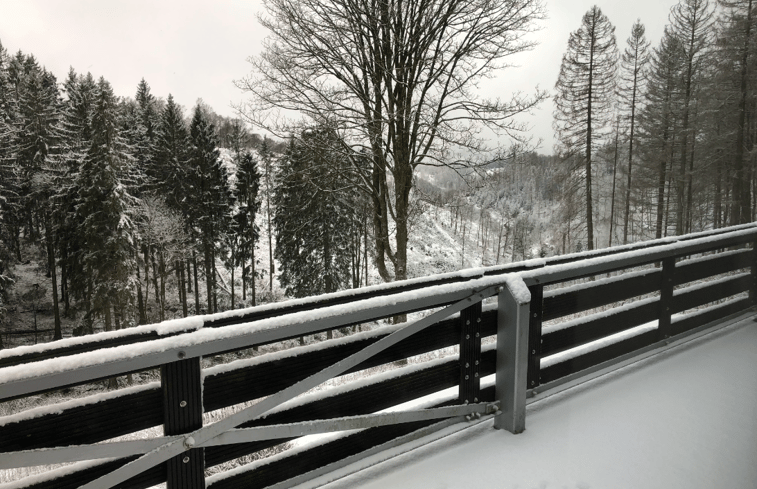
[512, 355]
[181, 383]
[470, 353]
[666, 298]
[534, 335]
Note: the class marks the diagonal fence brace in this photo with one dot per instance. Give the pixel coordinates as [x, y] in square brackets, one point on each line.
[201, 436]
[120, 449]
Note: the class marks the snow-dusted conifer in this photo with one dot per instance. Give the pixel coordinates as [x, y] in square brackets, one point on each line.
[247, 189]
[103, 209]
[312, 219]
[208, 195]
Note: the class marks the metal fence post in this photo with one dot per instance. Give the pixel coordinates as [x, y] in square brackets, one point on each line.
[470, 353]
[512, 356]
[181, 383]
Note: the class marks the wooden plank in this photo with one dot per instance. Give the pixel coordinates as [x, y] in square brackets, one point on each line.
[712, 314]
[620, 262]
[92, 343]
[710, 293]
[565, 339]
[711, 265]
[596, 357]
[85, 424]
[602, 293]
[399, 287]
[365, 400]
[145, 480]
[305, 461]
[269, 377]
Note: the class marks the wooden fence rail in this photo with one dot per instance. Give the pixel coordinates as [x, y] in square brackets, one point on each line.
[554, 320]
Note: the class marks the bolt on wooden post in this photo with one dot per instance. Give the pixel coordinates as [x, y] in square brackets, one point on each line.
[181, 383]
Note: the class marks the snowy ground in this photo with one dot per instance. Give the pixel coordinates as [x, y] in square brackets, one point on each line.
[686, 418]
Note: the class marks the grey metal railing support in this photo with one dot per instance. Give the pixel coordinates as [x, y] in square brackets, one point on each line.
[512, 355]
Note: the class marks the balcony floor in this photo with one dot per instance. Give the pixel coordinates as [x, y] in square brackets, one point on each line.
[684, 418]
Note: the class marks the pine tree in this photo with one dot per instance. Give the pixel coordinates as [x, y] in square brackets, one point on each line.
[208, 197]
[143, 133]
[312, 220]
[171, 155]
[247, 190]
[103, 208]
[170, 176]
[583, 102]
[81, 92]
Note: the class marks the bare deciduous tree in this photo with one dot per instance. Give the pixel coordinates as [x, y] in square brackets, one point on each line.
[397, 79]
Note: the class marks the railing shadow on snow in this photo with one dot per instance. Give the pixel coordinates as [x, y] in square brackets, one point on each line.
[555, 320]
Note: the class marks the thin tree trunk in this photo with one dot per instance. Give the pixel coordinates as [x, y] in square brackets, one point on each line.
[54, 276]
[252, 278]
[197, 285]
[183, 287]
[614, 179]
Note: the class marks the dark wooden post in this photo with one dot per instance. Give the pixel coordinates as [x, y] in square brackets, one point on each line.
[534, 335]
[181, 383]
[470, 353]
[753, 288]
[666, 298]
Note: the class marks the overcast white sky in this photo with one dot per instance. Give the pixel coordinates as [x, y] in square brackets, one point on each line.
[195, 49]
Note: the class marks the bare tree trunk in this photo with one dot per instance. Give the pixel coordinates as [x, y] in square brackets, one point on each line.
[197, 285]
[252, 278]
[54, 276]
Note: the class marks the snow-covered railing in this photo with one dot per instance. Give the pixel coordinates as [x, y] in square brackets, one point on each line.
[613, 305]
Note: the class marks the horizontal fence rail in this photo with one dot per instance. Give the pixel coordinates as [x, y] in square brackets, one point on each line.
[551, 321]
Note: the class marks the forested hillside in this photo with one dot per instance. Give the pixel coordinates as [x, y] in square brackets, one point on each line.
[125, 210]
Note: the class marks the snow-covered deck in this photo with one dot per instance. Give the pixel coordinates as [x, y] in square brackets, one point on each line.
[684, 418]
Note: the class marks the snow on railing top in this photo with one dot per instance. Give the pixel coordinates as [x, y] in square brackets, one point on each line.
[202, 341]
[208, 341]
[602, 264]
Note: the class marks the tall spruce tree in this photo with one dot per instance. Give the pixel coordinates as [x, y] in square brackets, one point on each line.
[209, 198]
[103, 209]
[81, 93]
[583, 102]
[170, 175]
[312, 219]
[247, 190]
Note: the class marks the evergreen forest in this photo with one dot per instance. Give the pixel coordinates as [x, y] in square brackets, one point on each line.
[121, 210]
